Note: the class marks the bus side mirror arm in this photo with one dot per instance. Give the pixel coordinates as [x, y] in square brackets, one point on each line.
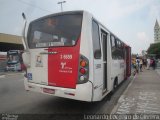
[26, 59]
[23, 33]
[26, 55]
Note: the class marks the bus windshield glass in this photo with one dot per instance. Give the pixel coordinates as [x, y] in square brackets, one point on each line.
[12, 58]
[60, 30]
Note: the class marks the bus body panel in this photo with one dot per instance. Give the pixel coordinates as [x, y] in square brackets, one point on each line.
[117, 71]
[38, 70]
[63, 66]
[86, 49]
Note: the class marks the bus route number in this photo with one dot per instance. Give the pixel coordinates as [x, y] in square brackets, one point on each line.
[68, 56]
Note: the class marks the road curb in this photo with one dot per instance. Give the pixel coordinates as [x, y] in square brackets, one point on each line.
[123, 95]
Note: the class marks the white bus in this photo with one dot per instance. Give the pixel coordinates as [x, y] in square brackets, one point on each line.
[72, 55]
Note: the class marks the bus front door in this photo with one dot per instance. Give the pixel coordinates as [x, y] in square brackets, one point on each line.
[104, 48]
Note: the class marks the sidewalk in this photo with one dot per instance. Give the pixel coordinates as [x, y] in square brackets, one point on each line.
[158, 71]
[142, 95]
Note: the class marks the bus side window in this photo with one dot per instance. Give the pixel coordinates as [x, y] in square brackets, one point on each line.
[96, 40]
[113, 47]
[112, 42]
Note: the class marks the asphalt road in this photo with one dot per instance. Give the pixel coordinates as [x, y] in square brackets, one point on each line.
[14, 99]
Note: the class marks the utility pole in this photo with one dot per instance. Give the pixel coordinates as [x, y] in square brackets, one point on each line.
[61, 5]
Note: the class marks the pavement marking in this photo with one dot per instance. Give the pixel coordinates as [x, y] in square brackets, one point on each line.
[126, 105]
[21, 80]
[147, 103]
[2, 76]
[10, 74]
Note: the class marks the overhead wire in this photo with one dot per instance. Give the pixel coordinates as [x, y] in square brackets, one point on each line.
[34, 6]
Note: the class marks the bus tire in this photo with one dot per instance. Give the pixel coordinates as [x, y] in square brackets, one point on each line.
[115, 85]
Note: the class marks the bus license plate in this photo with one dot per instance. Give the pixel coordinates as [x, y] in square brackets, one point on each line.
[47, 90]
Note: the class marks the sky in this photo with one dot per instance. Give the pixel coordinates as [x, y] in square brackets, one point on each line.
[131, 20]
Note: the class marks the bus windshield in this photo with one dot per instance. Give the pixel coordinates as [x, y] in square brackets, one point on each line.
[60, 30]
[12, 58]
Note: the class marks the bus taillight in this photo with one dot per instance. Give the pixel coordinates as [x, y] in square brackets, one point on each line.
[83, 63]
[83, 70]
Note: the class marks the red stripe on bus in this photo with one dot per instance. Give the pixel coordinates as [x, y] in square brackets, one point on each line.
[63, 66]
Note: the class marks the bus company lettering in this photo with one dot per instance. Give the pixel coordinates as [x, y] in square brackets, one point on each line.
[64, 68]
[39, 61]
[68, 56]
[63, 65]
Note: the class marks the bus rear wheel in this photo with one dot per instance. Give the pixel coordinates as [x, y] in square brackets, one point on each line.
[115, 85]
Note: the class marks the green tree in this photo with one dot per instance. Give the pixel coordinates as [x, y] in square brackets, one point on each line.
[154, 49]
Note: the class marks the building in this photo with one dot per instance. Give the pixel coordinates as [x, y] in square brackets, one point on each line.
[3, 62]
[156, 32]
[10, 42]
[3, 57]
